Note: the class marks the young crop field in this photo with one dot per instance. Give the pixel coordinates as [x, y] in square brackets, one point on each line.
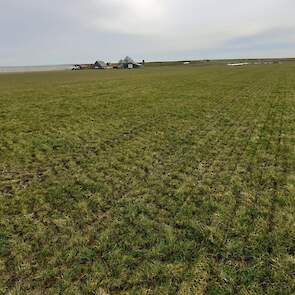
[164, 180]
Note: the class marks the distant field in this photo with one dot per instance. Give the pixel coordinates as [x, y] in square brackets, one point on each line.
[165, 180]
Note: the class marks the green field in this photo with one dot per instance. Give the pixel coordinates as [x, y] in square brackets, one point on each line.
[164, 180]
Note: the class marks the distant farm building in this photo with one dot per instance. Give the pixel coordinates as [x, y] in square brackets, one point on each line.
[99, 65]
[128, 63]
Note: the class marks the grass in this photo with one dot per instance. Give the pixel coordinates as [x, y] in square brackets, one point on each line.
[166, 180]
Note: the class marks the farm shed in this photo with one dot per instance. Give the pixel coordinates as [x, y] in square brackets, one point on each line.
[128, 63]
[99, 65]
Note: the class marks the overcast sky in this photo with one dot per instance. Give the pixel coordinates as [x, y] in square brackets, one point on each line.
[39, 32]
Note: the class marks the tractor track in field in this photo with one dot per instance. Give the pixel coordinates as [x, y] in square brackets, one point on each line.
[236, 164]
[237, 204]
[277, 187]
[246, 238]
[238, 200]
[270, 113]
[259, 180]
[233, 214]
[275, 183]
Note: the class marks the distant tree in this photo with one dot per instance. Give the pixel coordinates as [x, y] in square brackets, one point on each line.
[126, 60]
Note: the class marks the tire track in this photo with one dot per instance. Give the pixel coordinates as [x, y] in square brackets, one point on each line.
[242, 150]
[271, 114]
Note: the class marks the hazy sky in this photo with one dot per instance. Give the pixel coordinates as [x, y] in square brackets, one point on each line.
[38, 32]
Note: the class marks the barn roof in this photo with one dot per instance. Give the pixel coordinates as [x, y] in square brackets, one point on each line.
[100, 63]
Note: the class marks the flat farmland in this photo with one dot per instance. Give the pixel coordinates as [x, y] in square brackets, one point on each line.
[163, 180]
